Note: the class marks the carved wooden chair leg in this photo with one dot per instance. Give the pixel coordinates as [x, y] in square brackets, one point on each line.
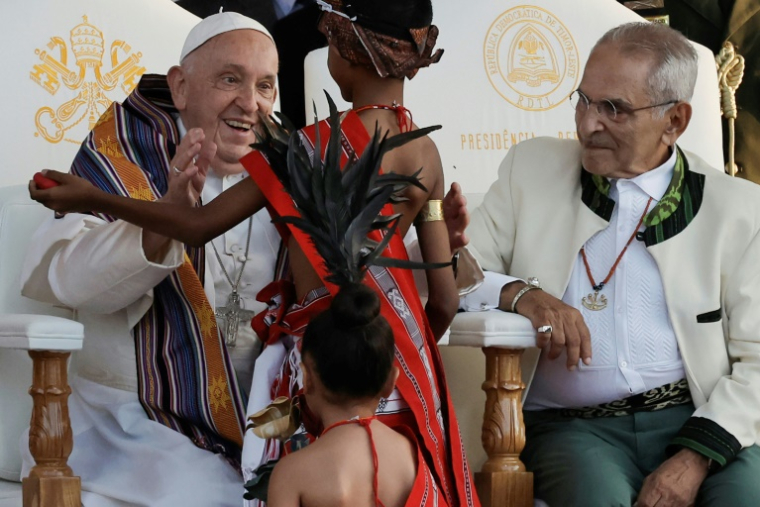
[503, 480]
[51, 483]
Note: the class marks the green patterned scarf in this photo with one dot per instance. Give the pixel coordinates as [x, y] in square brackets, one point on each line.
[670, 200]
[670, 216]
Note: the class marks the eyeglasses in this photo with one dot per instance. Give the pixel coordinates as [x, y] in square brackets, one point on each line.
[607, 108]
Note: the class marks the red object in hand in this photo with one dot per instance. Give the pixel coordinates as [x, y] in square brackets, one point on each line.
[43, 182]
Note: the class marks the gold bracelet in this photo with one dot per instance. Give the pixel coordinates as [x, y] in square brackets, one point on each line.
[432, 211]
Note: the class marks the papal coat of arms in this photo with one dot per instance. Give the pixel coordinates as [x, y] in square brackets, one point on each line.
[86, 74]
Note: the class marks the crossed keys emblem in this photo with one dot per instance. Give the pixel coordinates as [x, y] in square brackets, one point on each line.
[88, 47]
[231, 314]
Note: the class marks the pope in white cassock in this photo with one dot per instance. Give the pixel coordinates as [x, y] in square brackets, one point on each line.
[155, 389]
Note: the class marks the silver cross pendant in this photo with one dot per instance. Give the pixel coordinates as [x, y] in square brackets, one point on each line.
[232, 313]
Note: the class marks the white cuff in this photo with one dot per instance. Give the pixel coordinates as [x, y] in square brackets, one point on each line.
[486, 297]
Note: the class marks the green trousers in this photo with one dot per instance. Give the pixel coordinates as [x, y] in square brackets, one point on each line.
[603, 462]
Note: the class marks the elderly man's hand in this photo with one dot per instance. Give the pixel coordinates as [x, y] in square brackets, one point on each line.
[189, 167]
[457, 217]
[568, 330]
[676, 482]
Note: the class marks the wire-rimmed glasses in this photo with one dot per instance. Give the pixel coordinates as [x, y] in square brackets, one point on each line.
[606, 108]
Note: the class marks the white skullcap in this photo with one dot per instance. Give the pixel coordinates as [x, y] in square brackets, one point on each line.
[217, 24]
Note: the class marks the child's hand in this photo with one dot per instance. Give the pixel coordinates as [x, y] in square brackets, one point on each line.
[43, 182]
[72, 194]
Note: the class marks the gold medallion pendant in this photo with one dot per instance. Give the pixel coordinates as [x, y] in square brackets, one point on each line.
[595, 303]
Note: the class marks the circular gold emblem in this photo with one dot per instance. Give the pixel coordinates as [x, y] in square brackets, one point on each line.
[531, 58]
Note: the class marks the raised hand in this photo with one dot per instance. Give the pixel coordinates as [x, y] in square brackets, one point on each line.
[189, 168]
[456, 216]
[72, 194]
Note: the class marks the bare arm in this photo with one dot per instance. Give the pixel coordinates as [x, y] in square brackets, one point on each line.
[194, 226]
[284, 485]
[443, 298]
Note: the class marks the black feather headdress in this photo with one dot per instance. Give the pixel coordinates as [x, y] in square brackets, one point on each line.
[339, 208]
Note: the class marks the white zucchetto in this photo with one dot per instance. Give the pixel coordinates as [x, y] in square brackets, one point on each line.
[217, 24]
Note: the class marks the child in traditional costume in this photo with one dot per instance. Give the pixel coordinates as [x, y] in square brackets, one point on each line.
[357, 461]
[373, 47]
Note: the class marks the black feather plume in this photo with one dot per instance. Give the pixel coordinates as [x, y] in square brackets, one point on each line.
[339, 208]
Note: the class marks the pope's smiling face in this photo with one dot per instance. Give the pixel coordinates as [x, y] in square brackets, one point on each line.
[221, 86]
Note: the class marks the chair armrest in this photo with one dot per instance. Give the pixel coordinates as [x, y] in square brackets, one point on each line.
[492, 328]
[40, 332]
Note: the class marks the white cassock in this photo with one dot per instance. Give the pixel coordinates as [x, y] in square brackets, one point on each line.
[99, 269]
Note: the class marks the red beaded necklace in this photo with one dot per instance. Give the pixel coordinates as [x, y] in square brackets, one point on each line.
[593, 302]
[403, 115]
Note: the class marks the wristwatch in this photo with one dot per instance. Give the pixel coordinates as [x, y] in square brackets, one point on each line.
[532, 284]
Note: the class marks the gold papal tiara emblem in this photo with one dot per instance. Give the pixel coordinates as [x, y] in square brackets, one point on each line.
[85, 74]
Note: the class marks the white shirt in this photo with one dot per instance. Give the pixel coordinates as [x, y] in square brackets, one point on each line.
[258, 269]
[633, 345]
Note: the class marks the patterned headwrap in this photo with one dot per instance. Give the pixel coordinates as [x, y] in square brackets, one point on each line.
[394, 44]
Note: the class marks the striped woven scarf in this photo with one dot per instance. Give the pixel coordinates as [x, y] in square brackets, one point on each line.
[186, 378]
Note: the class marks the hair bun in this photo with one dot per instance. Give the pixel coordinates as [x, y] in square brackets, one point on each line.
[355, 305]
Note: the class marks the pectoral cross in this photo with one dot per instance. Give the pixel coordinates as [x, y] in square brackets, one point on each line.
[232, 313]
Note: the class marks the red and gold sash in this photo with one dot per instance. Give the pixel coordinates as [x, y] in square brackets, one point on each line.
[421, 382]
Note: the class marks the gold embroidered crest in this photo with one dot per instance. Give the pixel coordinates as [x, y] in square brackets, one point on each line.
[206, 319]
[217, 393]
[109, 147]
[141, 193]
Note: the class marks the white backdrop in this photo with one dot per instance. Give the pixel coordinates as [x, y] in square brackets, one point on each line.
[507, 71]
[65, 61]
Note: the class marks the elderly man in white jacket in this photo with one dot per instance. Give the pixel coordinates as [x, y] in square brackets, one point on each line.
[639, 265]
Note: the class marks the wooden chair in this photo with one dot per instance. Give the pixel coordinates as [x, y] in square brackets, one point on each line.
[49, 335]
[111, 48]
[504, 338]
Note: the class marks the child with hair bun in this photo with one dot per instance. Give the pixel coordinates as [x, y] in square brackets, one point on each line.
[348, 355]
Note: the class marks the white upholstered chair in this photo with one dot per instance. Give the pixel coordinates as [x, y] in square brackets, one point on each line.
[65, 62]
[507, 72]
[49, 335]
